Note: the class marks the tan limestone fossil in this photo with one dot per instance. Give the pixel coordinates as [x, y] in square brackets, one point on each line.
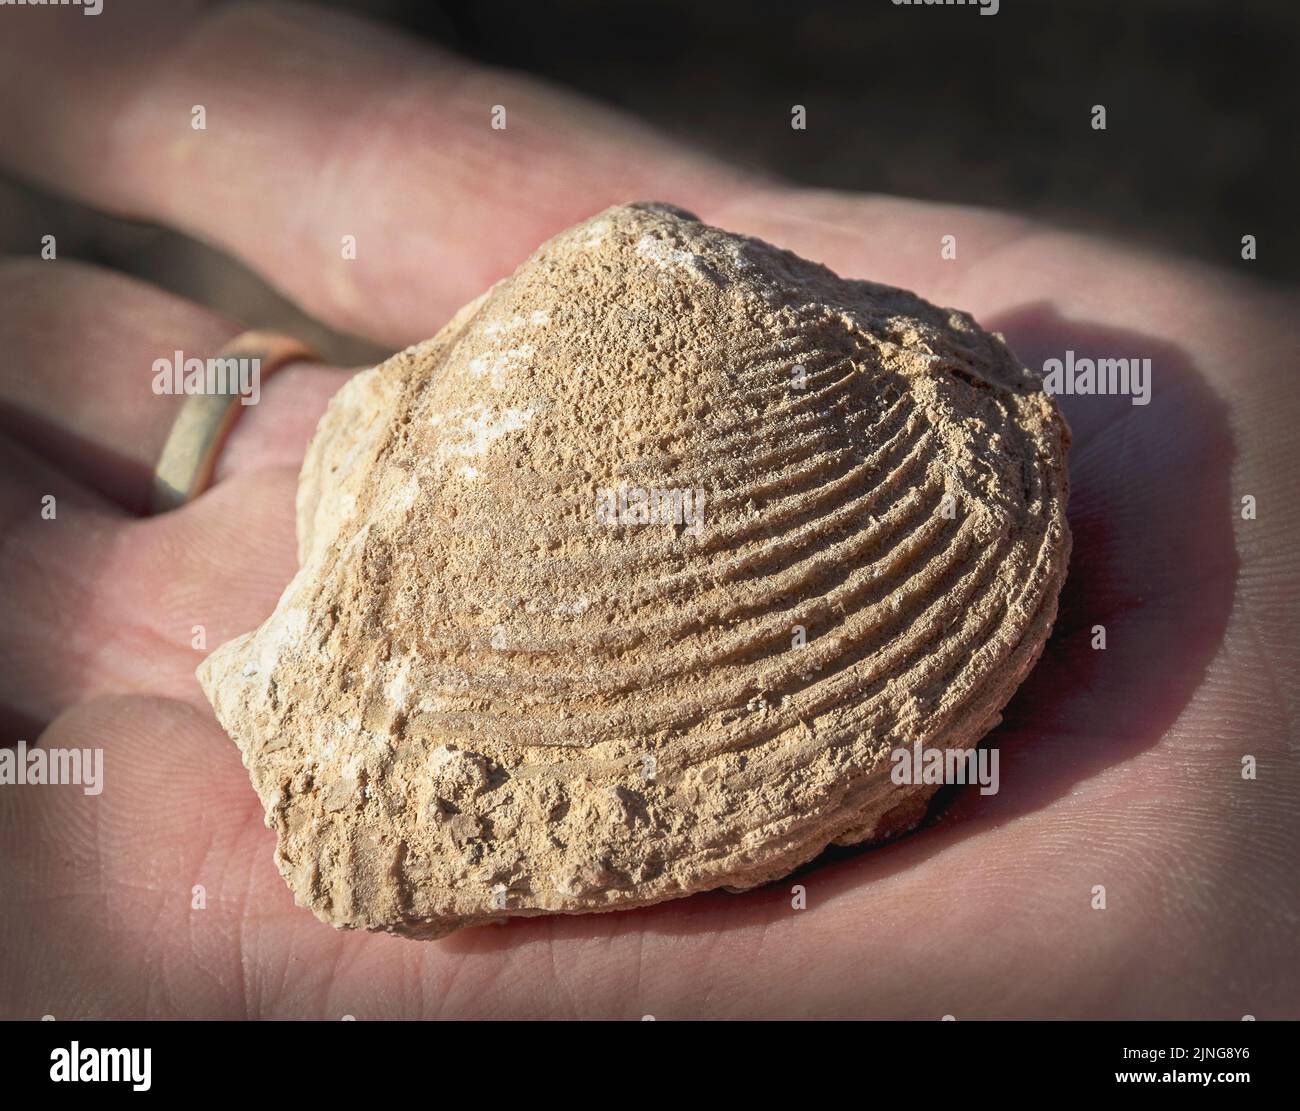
[626, 584]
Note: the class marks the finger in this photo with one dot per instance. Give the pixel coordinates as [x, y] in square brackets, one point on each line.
[94, 602]
[318, 127]
[100, 889]
[78, 386]
[55, 537]
[97, 605]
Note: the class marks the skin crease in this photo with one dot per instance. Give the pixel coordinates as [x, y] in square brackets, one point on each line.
[1120, 768]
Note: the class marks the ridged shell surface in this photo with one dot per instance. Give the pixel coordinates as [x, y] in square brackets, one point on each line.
[627, 584]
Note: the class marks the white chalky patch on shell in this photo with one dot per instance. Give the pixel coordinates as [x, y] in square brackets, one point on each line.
[477, 429]
[497, 327]
[280, 634]
[404, 495]
[496, 366]
[398, 688]
[666, 256]
[596, 232]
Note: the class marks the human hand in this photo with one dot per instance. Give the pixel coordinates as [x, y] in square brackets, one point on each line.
[1120, 768]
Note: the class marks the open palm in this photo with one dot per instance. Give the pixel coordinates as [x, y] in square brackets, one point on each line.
[1121, 767]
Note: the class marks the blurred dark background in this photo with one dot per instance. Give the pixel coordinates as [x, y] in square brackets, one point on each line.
[942, 104]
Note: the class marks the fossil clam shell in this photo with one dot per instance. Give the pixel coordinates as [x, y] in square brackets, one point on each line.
[627, 584]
